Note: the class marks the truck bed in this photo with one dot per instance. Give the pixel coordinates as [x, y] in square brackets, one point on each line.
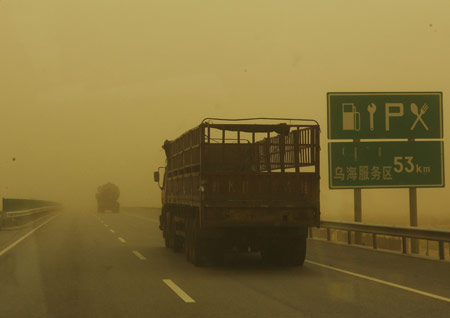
[242, 186]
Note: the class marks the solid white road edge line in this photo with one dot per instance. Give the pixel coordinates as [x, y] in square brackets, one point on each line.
[139, 255]
[25, 236]
[121, 239]
[420, 292]
[177, 290]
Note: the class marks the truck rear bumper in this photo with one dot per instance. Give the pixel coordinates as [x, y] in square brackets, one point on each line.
[244, 238]
[226, 217]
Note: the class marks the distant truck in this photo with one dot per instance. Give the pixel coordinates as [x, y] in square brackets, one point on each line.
[107, 196]
[241, 186]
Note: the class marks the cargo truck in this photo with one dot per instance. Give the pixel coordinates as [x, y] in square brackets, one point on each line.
[241, 185]
[107, 196]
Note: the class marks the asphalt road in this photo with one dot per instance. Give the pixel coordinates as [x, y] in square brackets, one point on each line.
[84, 264]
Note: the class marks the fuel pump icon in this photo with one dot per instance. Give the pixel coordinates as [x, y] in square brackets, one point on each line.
[350, 117]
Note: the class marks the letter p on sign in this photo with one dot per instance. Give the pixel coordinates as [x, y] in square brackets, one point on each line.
[390, 107]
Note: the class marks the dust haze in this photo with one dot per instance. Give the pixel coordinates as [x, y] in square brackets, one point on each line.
[89, 90]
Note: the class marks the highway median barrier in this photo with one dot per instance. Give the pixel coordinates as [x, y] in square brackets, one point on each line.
[19, 213]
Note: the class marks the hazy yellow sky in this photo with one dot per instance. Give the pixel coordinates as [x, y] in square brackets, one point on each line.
[90, 89]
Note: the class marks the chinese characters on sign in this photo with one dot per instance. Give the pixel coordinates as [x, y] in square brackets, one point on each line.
[386, 164]
[363, 173]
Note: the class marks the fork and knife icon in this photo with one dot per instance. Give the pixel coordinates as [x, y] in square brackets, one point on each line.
[419, 113]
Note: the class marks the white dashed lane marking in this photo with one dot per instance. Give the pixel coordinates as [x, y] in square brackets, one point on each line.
[177, 290]
[139, 255]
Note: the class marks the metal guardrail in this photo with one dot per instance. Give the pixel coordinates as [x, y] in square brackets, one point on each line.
[440, 236]
[13, 217]
[14, 214]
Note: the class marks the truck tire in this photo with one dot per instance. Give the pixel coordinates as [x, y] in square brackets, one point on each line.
[194, 246]
[187, 243]
[188, 237]
[166, 242]
[175, 242]
[296, 252]
[163, 226]
[198, 256]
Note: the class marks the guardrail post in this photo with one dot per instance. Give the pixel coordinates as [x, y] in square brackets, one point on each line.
[374, 241]
[357, 209]
[406, 234]
[413, 218]
[441, 250]
[404, 247]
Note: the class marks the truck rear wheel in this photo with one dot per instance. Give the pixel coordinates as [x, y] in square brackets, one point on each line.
[296, 252]
[171, 240]
[193, 245]
[176, 242]
[187, 238]
[163, 221]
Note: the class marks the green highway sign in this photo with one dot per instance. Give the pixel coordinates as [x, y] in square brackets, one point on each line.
[389, 164]
[385, 115]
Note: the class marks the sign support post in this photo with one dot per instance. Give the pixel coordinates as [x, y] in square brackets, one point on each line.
[358, 213]
[413, 217]
[358, 205]
[413, 214]
[357, 208]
